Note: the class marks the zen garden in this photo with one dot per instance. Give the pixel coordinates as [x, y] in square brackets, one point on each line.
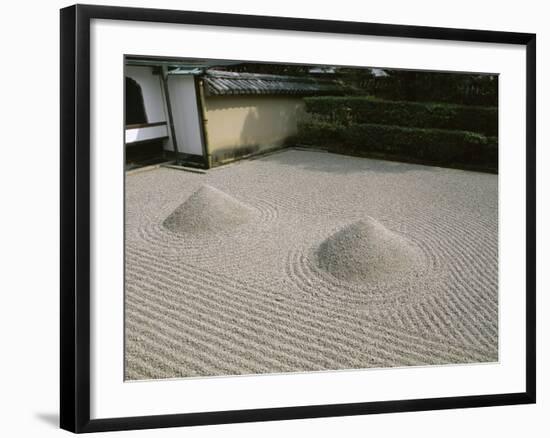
[289, 218]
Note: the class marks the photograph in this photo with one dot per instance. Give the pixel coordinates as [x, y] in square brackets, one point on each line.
[291, 218]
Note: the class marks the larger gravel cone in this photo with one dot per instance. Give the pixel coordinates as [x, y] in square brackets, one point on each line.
[366, 251]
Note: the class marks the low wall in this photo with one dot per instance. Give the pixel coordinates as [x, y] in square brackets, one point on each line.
[240, 126]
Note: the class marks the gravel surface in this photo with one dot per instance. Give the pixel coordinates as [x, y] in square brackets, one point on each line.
[304, 261]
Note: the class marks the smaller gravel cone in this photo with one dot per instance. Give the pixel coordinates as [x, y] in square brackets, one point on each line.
[208, 210]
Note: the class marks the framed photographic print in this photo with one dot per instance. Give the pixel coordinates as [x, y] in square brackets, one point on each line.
[268, 218]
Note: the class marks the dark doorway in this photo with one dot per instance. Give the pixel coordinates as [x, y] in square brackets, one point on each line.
[134, 107]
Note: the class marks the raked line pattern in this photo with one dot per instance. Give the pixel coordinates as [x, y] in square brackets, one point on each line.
[254, 301]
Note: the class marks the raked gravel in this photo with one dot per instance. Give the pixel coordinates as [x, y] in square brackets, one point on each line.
[303, 261]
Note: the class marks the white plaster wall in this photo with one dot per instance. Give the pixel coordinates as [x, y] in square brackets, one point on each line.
[185, 112]
[151, 88]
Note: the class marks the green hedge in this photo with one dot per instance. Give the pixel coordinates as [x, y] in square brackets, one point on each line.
[430, 146]
[357, 109]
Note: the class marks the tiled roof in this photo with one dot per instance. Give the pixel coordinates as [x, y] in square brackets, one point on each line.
[220, 83]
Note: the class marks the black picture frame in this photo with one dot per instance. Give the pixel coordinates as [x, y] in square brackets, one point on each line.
[75, 217]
